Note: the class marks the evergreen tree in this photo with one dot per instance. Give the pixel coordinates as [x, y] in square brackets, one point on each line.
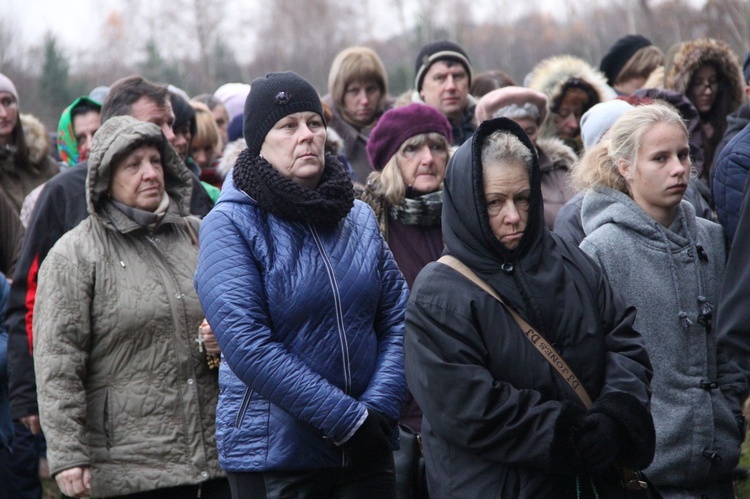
[226, 67]
[54, 82]
[156, 68]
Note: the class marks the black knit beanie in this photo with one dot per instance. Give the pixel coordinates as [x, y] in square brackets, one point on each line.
[271, 98]
[439, 51]
[619, 55]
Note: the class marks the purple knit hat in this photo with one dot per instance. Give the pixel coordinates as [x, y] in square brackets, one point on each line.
[398, 125]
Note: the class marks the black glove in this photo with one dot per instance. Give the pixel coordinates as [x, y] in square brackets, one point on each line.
[598, 441]
[370, 441]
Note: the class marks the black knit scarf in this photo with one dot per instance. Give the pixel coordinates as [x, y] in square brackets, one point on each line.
[325, 206]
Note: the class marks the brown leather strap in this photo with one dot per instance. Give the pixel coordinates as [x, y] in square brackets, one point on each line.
[540, 343]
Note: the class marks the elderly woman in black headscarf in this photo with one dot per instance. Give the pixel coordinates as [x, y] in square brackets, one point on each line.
[499, 420]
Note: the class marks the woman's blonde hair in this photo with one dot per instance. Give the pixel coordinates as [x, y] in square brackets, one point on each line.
[641, 64]
[389, 183]
[206, 130]
[598, 166]
[356, 64]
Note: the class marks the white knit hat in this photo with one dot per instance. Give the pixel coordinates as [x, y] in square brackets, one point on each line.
[7, 86]
[600, 118]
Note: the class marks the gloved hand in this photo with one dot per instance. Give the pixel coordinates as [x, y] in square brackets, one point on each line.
[370, 441]
[598, 441]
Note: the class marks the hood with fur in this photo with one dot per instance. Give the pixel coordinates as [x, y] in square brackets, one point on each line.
[36, 138]
[550, 75]
[691, 55]
[230, 155]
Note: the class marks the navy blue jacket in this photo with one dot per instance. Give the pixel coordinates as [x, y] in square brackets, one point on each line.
[729, 175]
[310, 323]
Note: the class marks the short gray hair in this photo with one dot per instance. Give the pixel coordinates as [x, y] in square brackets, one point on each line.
[505, 148]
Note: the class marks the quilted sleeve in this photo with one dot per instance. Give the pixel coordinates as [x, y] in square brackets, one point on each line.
[729, 176]
[61, 344]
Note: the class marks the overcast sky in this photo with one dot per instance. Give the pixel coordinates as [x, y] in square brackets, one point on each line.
[77, 22]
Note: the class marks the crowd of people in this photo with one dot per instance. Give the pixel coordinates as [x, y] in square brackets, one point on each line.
[252, 293]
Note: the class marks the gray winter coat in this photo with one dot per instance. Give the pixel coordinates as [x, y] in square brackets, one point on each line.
[122, 387]
[673, 277]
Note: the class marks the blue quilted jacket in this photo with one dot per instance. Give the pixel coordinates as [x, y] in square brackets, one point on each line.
[729, 177]
[310, 323]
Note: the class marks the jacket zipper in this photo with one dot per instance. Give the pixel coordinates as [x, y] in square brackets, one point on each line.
[185, 316]
[107, 423]
[339, 312]
[243, 407]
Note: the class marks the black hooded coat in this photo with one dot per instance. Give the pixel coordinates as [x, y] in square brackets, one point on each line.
[498, 419]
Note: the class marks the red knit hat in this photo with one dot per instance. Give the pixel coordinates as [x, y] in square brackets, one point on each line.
[398, 125]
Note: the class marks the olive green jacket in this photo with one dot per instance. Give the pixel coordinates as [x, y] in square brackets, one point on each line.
[122, 386]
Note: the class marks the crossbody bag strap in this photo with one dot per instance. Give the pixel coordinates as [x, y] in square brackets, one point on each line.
[535, 337]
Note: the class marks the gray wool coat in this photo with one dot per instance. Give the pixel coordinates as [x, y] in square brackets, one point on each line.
[672, 276]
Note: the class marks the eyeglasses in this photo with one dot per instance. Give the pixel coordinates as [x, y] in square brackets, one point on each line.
[564, 114]
[701, 86]
[8, 103]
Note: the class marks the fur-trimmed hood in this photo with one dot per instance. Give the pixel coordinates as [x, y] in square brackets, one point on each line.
[691, 55]
[229, 158]
[551, 74]
[36, 138]
[558, 152]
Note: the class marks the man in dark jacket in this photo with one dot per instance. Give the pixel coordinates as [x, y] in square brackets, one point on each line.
[61, 206]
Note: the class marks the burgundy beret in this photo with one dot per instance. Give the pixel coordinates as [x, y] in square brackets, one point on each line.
[398, 125]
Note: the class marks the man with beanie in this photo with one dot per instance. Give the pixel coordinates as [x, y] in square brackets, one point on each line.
[629, 63]
[442, 80]
[60, 207]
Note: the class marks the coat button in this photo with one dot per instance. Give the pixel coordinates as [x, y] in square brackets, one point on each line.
[178, 296]
[204, 474]
[190, 381]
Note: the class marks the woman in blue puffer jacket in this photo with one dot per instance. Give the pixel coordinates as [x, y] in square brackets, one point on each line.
[307, 304]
